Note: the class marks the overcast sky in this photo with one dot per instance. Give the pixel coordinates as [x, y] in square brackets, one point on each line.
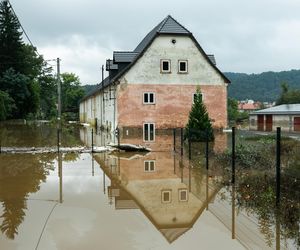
[245, 36]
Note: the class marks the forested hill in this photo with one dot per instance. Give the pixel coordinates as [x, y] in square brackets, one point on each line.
[261, 87]
[89, 88]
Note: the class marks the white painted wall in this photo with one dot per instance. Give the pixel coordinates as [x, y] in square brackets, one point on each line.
[92, 108]
[147, 68]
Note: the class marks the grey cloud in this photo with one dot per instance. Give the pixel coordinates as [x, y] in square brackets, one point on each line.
[245, 36]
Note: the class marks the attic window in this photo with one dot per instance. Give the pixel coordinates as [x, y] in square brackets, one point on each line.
[165, 66]
[166, 196]
[182, 66]
[182, 195]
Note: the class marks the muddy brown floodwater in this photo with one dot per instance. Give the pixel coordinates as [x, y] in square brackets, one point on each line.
[119, 200]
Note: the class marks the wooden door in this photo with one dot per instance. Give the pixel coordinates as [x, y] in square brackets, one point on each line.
[260, 122]
[296, 123]
[269, 122]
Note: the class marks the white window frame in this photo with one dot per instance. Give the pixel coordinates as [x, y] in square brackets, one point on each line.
[179, 194]
[148, 162]
[193, 97]
[148, 123]
[149, 93]
[186, 67]
[170, 196]
[161, 66]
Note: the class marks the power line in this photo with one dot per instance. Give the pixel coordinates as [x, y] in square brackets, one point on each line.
[25, 33]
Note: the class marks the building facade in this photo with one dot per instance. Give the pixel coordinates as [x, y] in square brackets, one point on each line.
[153, 87]
[286, 116]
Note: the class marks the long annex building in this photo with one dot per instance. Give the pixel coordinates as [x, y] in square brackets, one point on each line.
[153, 86]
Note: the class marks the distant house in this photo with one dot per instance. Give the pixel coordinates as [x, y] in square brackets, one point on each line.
[286, 116]
[153, 86]
[248, 106]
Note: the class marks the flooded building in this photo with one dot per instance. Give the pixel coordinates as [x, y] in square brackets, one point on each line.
[286, 116]
[153, 87]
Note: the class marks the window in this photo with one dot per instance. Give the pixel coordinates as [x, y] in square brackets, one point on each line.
[166, 196]
[149, 131]
[195, 96]
[149, 98]
[149, 166]
[165, 66]
[182, 195]
[182, 66]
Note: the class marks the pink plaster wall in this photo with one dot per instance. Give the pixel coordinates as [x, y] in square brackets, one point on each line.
[173, 104]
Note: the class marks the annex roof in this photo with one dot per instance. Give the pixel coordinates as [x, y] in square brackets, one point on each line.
[285, 109]
[124, 56]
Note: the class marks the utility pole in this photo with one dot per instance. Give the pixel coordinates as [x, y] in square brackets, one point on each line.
[58, 104]
[58, 90]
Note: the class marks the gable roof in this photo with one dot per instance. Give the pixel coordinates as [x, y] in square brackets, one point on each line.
[168, 26]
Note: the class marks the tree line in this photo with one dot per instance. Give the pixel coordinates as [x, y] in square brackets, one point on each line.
[264, 87]
[28, 85]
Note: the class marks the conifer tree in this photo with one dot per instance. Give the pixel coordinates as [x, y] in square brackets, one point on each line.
[11, 44]
[199, 127]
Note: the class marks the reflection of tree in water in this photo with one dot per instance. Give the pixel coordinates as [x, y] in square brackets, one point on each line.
[256, 193]
[19, 176]
[37, 135]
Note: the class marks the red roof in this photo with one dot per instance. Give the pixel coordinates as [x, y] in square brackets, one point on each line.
[248, 106]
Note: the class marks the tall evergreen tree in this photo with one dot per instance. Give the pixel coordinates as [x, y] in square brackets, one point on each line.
[11, 44]
[20, 66]
[199, 127]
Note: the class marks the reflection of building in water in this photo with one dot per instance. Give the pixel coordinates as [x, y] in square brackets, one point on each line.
[171, 195]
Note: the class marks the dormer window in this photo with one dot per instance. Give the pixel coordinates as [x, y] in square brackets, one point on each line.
[183, 66]
[165, 66]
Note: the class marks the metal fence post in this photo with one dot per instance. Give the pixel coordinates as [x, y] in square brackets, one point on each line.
[92, 140]
[278, 152]
[181, 141]
[233, 156]
[206, 150]
[190, 150]
[174, 139]
[58, 132]
[118, 135]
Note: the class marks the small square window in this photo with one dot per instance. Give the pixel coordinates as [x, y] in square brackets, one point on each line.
[182, 195]
[182, 66]
[166, 196]
[149, 166]
[165, 66]
[195, 95]
[149, 98]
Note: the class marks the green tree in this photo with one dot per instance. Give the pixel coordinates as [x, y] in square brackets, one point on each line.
[72, 92]
[20, 65]
[11, 45]
[17, 86]
[48, 94]
[6, 105]
[199, 126]
[232, 109]
[288, 96]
